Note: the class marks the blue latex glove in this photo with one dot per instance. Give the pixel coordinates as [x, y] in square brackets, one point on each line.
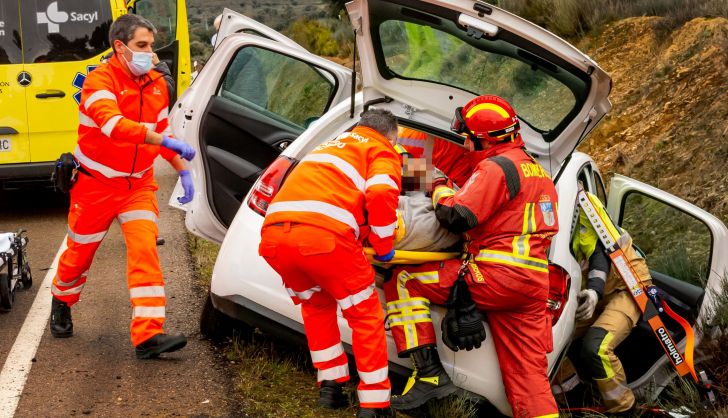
[180, 147]
[385, 257]
[189, 188]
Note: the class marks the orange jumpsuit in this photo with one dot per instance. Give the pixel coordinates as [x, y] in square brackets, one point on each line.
[507, 231]
[115, 113]
[343, 192]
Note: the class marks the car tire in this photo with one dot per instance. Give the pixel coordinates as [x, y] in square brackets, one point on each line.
[218, 327]
[6, 293]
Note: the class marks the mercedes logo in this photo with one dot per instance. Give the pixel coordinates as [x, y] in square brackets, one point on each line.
[24, 79]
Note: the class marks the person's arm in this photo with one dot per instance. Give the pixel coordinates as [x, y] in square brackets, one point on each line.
[482, 195]
[599, 265]
[383, 182]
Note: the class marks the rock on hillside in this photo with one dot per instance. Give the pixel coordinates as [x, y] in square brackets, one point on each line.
[669, 123]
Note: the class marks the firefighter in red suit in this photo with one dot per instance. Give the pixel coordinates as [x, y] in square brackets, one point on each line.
[506, 212]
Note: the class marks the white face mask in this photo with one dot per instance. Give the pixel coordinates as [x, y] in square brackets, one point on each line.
[141, 62]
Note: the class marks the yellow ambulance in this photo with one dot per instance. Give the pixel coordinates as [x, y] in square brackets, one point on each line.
[47, 47]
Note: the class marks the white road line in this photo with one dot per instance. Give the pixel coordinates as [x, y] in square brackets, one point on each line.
[20, 359]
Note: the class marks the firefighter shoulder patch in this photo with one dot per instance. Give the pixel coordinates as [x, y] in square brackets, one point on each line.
[547, 210]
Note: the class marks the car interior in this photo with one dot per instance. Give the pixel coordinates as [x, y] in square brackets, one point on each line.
[244, 128]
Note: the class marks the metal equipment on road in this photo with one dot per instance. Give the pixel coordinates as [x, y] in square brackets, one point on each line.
[14, 267]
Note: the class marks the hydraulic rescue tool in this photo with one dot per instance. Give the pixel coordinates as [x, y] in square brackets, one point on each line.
[648, 300]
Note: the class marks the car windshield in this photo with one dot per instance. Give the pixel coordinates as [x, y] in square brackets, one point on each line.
[544, 94]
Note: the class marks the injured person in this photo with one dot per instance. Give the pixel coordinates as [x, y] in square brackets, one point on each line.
[417, 226]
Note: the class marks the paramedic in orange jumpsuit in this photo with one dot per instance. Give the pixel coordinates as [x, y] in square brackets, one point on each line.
[346, 190]
[506, 211]
[123, 126]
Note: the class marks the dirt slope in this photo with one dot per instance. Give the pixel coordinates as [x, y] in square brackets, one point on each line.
[669, 124]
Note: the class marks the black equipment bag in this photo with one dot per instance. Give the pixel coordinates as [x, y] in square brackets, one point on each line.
[65, 172]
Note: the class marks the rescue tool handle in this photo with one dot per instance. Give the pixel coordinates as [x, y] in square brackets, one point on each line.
[6, 130]
[51, 93]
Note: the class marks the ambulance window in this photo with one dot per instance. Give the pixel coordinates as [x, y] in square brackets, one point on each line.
[163, 14]
[10, 52]
[71, 30]
[277, 86]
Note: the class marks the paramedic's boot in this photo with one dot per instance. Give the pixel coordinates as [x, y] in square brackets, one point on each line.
[158, 344]
[61, 323]
[428, 381]
[331, 395]
[387, 412]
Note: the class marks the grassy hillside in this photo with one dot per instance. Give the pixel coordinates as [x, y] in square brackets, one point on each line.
[277, 14]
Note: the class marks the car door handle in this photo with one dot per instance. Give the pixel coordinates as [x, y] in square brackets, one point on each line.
[6, 130]
[50, 93]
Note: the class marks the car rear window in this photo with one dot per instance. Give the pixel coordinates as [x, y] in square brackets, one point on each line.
[64, 30]
[10, 52]
[537, 90]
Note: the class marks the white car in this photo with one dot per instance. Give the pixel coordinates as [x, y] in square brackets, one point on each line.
[261, 95]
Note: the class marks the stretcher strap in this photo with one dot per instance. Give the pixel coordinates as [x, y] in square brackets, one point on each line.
[411, 257]
[683, 364]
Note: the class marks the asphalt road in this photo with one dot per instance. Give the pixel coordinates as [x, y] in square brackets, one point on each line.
[95, 373]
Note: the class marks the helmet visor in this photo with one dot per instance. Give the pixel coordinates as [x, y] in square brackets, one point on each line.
[458, 122]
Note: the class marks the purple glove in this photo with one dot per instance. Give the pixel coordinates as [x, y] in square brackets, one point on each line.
[180, 147]
[385, 257]
[187, 185]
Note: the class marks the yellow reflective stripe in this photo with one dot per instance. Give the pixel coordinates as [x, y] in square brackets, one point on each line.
[606, 362]
[441, 193]
[411, 303]
[427, 277]
[396, 320]
[548, 416]
[488, 106]
[502, 257]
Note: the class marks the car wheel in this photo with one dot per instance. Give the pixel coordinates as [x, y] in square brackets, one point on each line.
[6, 293]
[218, 327]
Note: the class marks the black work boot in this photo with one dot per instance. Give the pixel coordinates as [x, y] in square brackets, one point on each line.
[158, 344]
[375, 413]
[331, 395]
[428, 381]
[61, 323]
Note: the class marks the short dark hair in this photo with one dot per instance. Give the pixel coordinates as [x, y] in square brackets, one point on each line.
[381, 120]
[124, 27]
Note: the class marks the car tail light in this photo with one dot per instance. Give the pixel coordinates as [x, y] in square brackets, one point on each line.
[268, 184]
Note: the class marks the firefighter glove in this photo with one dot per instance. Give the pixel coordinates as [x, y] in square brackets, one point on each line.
[180, 147]
[587, 300]
[462, 327]
[187, 186]
[385, 257]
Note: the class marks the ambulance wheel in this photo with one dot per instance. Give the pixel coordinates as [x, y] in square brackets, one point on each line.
[6, 293]
[26, 277]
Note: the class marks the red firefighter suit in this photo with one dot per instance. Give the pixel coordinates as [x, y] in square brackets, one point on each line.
[115, 113]
[508, 226]
[344, 191]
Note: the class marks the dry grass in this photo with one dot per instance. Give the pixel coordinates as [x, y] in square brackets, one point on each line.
[204, 254]
[575, 18]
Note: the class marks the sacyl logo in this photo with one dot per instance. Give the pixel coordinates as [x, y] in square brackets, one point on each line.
[53, 17]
